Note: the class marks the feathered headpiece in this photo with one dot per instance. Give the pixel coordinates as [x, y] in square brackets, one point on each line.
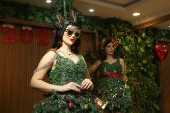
[70, 17]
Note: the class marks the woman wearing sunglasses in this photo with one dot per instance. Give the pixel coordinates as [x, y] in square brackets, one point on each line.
[68, 90]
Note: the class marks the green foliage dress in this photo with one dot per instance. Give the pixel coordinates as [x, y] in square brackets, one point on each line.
[64, 72]
[111, 88]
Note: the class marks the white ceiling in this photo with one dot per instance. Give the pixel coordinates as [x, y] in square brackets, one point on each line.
[121, 9]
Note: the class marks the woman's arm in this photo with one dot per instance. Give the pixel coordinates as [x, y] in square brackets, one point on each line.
[37, 78]
[87, 83]
[94, 67]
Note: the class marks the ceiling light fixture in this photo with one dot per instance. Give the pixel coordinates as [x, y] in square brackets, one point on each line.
[91, 10]
[136, 14]
[48, 1]
[169, 26]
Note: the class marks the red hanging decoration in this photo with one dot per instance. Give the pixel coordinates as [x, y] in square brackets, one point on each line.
[44, 37]
[161, 51]
[70, 105]
[118, 101]
[60, 43]
[22, 36]
[73, 47]
[10, 34]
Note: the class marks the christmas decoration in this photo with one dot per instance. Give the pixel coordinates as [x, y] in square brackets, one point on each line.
[44, 37]
[161, 51]
[11, 33]
[104, 40]
[98, 107]
[111, 75]
[100, 104]
[70, 105]
[86, 106]
[22, 36]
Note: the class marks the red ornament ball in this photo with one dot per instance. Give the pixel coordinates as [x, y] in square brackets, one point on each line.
[70, 105]
[118, 91]
[117, 100]
[98, 107]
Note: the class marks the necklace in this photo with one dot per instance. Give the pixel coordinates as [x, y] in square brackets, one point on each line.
[66, 52]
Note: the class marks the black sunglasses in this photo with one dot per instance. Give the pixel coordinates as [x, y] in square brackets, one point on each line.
[70, 33]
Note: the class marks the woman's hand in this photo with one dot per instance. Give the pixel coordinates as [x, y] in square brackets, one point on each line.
[87, 83]
[71, 86]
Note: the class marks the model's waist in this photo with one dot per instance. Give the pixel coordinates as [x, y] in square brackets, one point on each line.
[110, 75]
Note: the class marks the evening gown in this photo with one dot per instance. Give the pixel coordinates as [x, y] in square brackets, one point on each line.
[67, 71]
[111, 88]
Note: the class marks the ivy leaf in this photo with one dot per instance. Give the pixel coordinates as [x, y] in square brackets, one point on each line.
[156, 106]
[139, 39]
[126, 48]
[142, 50]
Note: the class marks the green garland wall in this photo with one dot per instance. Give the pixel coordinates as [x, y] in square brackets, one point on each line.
[142, 68]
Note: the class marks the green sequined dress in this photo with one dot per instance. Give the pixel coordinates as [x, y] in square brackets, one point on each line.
[67, 71]
[111, 88]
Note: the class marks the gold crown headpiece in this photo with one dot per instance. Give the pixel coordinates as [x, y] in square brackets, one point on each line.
[70, 17]
[104, 40]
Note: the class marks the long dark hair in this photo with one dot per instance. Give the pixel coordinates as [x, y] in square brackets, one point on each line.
[59, 35]
[103, 52]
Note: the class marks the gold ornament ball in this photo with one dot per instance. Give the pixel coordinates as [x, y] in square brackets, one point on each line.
[86, 106]
[116, 94]
[110, 89]
[112, 105]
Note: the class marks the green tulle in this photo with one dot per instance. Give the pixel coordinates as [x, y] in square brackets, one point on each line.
[67, 71]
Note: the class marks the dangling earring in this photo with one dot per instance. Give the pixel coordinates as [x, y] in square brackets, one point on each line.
[60, 43]
[73, 47]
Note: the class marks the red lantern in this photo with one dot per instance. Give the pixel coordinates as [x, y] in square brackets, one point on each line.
[161, 51]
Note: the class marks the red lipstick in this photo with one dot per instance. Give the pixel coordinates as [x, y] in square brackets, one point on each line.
[72, 39]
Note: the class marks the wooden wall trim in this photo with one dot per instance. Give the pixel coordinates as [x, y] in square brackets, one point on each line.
[151, 23]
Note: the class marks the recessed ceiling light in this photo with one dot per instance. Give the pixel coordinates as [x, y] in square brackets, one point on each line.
[48, 1]
[136, 14]
[91, 10]
[169, 26]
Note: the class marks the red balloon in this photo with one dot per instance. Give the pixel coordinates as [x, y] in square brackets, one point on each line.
[161, 51]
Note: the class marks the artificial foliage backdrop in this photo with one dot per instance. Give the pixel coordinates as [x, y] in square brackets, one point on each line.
[136, 49]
